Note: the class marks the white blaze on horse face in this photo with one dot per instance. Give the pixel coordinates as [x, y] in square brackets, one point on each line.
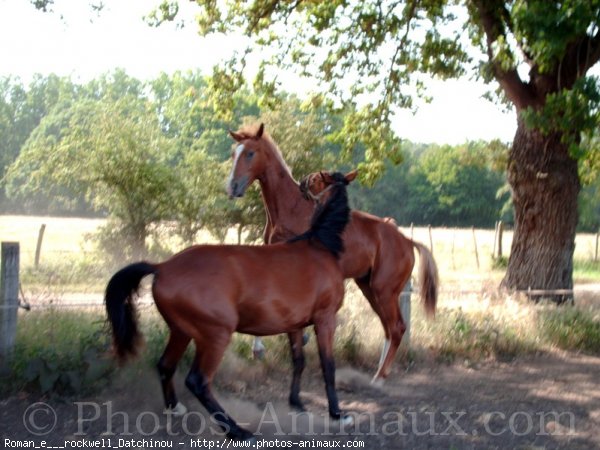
[236, 157]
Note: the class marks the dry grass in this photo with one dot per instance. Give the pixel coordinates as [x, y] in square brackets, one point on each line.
[454, 249]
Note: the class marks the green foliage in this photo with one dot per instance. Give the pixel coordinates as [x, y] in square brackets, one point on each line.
[370, 56]
[335, 42]
[571, 328]
[76, 361]
[149, 153]
[567, 20]
[569, 112]
[476, 336]
[111, 152]
[439, 185]
[21, 110]
[499, 262]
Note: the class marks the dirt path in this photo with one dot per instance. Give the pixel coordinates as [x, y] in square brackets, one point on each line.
[546, 402]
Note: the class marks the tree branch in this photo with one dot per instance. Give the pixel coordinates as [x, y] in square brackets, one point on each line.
[267, 12]
[389, 84]
[578, 58]
[592, 53]
[519, 93]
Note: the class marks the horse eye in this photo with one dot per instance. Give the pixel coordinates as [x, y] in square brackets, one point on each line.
[249, 155]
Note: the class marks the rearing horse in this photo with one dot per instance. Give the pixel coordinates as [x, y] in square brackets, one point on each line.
[378, 257]
[207, 292]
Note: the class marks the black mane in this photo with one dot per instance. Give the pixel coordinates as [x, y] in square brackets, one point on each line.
[329, 220]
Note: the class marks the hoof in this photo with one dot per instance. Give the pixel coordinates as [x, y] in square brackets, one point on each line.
[178, 411]
[241, 434]
[297, 406]
[345, 420]
[377, 382]
[259, 354]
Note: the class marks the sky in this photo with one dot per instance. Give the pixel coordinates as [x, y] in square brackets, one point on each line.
[74, 41]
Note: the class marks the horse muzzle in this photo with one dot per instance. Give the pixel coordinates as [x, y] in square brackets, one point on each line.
[237, 188]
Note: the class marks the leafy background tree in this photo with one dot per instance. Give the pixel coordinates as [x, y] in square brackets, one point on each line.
[109, 152]
[153, 158]
[376, 53]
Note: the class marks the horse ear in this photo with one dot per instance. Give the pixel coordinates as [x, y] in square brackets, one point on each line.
[238, 137]
[260, 131]
[351, 176]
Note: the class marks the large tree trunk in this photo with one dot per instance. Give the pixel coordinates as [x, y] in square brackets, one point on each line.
[545, 185]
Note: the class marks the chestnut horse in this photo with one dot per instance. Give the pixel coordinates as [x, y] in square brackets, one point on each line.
[207, 292]
[378, 257]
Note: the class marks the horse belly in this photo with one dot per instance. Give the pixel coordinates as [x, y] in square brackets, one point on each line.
[284, 299]
[275, 312]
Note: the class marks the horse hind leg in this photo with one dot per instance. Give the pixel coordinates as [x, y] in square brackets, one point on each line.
[209, 353]
[167, 365]
[395, 328]
[258, 348]
[364, 285]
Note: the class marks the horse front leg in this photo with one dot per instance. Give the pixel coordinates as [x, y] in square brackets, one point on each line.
[325, 330]
[296, 342]
[209, 352]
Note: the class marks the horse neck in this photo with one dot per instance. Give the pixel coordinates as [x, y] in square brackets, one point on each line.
[281, 196]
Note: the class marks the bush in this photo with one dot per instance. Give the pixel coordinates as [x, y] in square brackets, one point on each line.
[571, 328]
[60, 352]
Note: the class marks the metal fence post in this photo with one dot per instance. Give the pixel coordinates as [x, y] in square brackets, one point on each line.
[405, 297]
[9, 301]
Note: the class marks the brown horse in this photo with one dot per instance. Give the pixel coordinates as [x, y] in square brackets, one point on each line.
[378, 257]
[208, 292]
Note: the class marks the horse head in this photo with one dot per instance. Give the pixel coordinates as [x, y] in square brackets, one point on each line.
[332, 212]
[249, 160]
[317, 185]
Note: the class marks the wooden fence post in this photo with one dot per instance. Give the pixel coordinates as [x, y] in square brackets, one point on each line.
[475, 245]
[38, 247]
[453, 239]
[9, 301]
[495, 239]
[405, 297]
[500, 231]
[430, 240]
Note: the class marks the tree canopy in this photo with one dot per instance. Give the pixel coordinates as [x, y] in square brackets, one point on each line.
[378, 54]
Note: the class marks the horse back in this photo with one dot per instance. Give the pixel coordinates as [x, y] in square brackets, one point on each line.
[370, 242]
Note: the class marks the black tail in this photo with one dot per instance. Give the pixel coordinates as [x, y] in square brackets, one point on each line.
[120, 307]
